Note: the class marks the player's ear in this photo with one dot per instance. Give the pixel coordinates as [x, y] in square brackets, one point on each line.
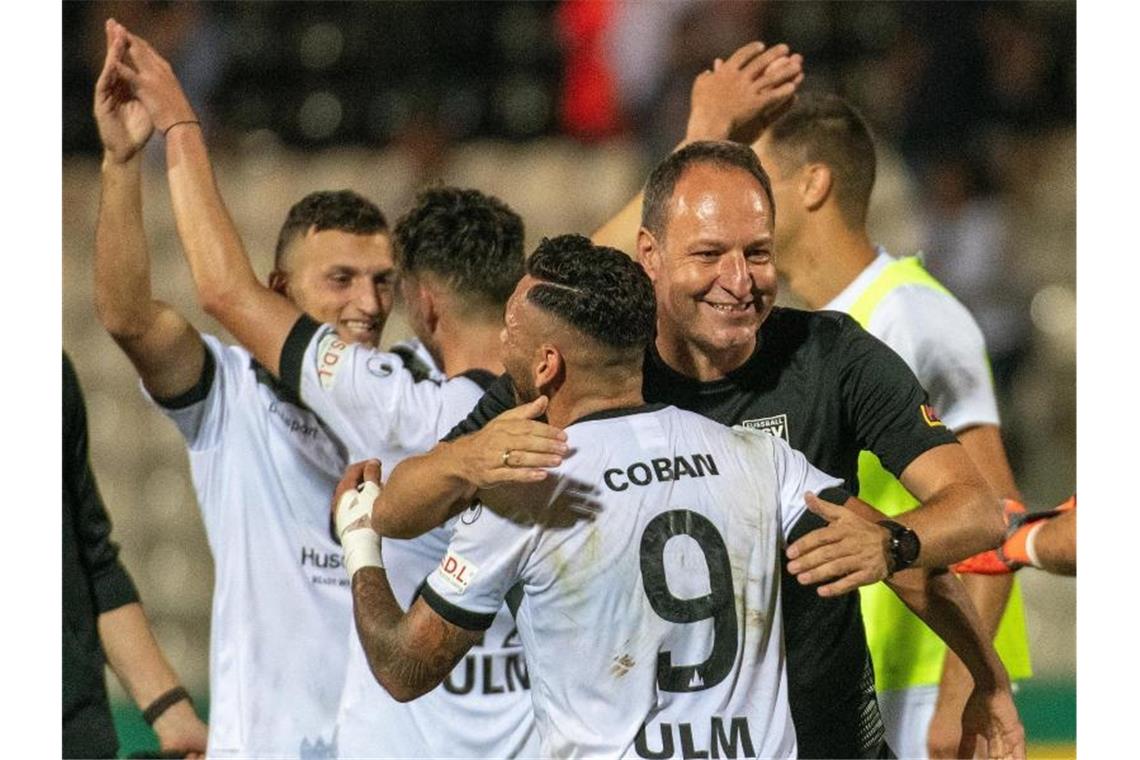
[816, 186]
[550, 369]
[279, 282]
[648, 253]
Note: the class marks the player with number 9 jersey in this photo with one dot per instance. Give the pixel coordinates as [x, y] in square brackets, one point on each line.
[651, 621]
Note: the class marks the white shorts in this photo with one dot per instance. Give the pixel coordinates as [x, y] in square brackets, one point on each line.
[906, 715]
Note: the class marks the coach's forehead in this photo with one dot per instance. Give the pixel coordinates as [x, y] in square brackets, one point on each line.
[709, 194]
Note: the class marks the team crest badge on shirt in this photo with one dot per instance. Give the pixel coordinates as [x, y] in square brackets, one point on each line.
[777, 425]
[457, 571]
[378, 367]
[330, 352]
[930, 416]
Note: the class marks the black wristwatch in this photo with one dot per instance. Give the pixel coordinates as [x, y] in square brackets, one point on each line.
[903, 548]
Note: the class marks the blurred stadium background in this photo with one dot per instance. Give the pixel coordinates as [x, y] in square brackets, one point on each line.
[559, 108]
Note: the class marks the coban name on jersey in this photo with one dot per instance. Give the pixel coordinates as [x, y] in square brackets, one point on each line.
[661, 469]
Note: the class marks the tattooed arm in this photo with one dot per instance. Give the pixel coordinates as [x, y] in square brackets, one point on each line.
[408, 654]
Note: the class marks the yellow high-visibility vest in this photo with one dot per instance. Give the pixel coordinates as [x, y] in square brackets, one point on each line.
[904, 650]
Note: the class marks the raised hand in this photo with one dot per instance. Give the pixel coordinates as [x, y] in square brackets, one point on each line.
[153, 82]
[741, 96]
[123, 122]
[850, 551]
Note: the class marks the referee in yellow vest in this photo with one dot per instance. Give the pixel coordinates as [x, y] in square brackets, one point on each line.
[821, 160]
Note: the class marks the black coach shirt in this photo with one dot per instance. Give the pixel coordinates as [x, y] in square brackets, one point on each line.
[830, 389]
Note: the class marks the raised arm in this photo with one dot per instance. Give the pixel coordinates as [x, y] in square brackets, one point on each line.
[164, 348]
[734, 100]
[227, 286]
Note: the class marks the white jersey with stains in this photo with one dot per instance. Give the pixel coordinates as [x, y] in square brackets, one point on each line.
[649, 572]
[391, 405]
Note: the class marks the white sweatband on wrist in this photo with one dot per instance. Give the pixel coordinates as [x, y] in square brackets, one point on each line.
[361, 549]
[1031, 544]
[355, 504]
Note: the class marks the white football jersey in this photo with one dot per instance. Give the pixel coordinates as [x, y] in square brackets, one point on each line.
[389, 406]
[264, 470]
[938, 339]
[650, 586]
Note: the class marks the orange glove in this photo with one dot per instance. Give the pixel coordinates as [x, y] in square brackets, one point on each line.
[1011, 555]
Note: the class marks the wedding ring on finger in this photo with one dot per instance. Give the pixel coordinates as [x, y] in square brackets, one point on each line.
[506, 455]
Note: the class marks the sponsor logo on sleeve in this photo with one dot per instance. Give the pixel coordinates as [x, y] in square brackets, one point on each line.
[930, 417]
[330, 358]
[457, 571]
[777, 425]
[472, 514]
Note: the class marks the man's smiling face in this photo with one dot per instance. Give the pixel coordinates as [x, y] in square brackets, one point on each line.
[716, 280]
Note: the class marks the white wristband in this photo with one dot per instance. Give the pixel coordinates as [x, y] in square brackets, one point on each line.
[1031, 544]
[361, 549]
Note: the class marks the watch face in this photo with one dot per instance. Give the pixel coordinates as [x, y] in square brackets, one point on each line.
[908, 547]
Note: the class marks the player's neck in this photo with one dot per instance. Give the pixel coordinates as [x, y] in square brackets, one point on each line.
[472, 346]
[826, 261]
[570, 404]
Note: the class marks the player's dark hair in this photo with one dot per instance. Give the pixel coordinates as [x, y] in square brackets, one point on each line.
[597, 290]
[471, 241]
[663, 179]
[341, 210]
[824, 128]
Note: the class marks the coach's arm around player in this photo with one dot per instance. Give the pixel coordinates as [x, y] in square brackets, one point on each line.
[513, 448]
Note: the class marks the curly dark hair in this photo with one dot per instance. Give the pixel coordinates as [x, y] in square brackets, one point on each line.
[599, 291]
[663, 179]
[474, 242]
[341, 210]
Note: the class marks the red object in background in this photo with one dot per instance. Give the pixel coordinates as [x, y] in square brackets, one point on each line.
[589, 106]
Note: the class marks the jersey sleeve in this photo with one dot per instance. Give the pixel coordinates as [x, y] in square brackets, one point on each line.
[942, 344]
[884, 404]
[484, 560]
[370, 399]
[200, 413]
[796, 476]
[499, 397]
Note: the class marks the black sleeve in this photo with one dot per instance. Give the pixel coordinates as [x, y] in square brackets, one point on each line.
[886, 406]
[111, 586]
[293, 351]
[499, 398]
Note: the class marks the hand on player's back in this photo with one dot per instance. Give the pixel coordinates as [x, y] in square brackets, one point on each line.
[513, 448]
[850, 551]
